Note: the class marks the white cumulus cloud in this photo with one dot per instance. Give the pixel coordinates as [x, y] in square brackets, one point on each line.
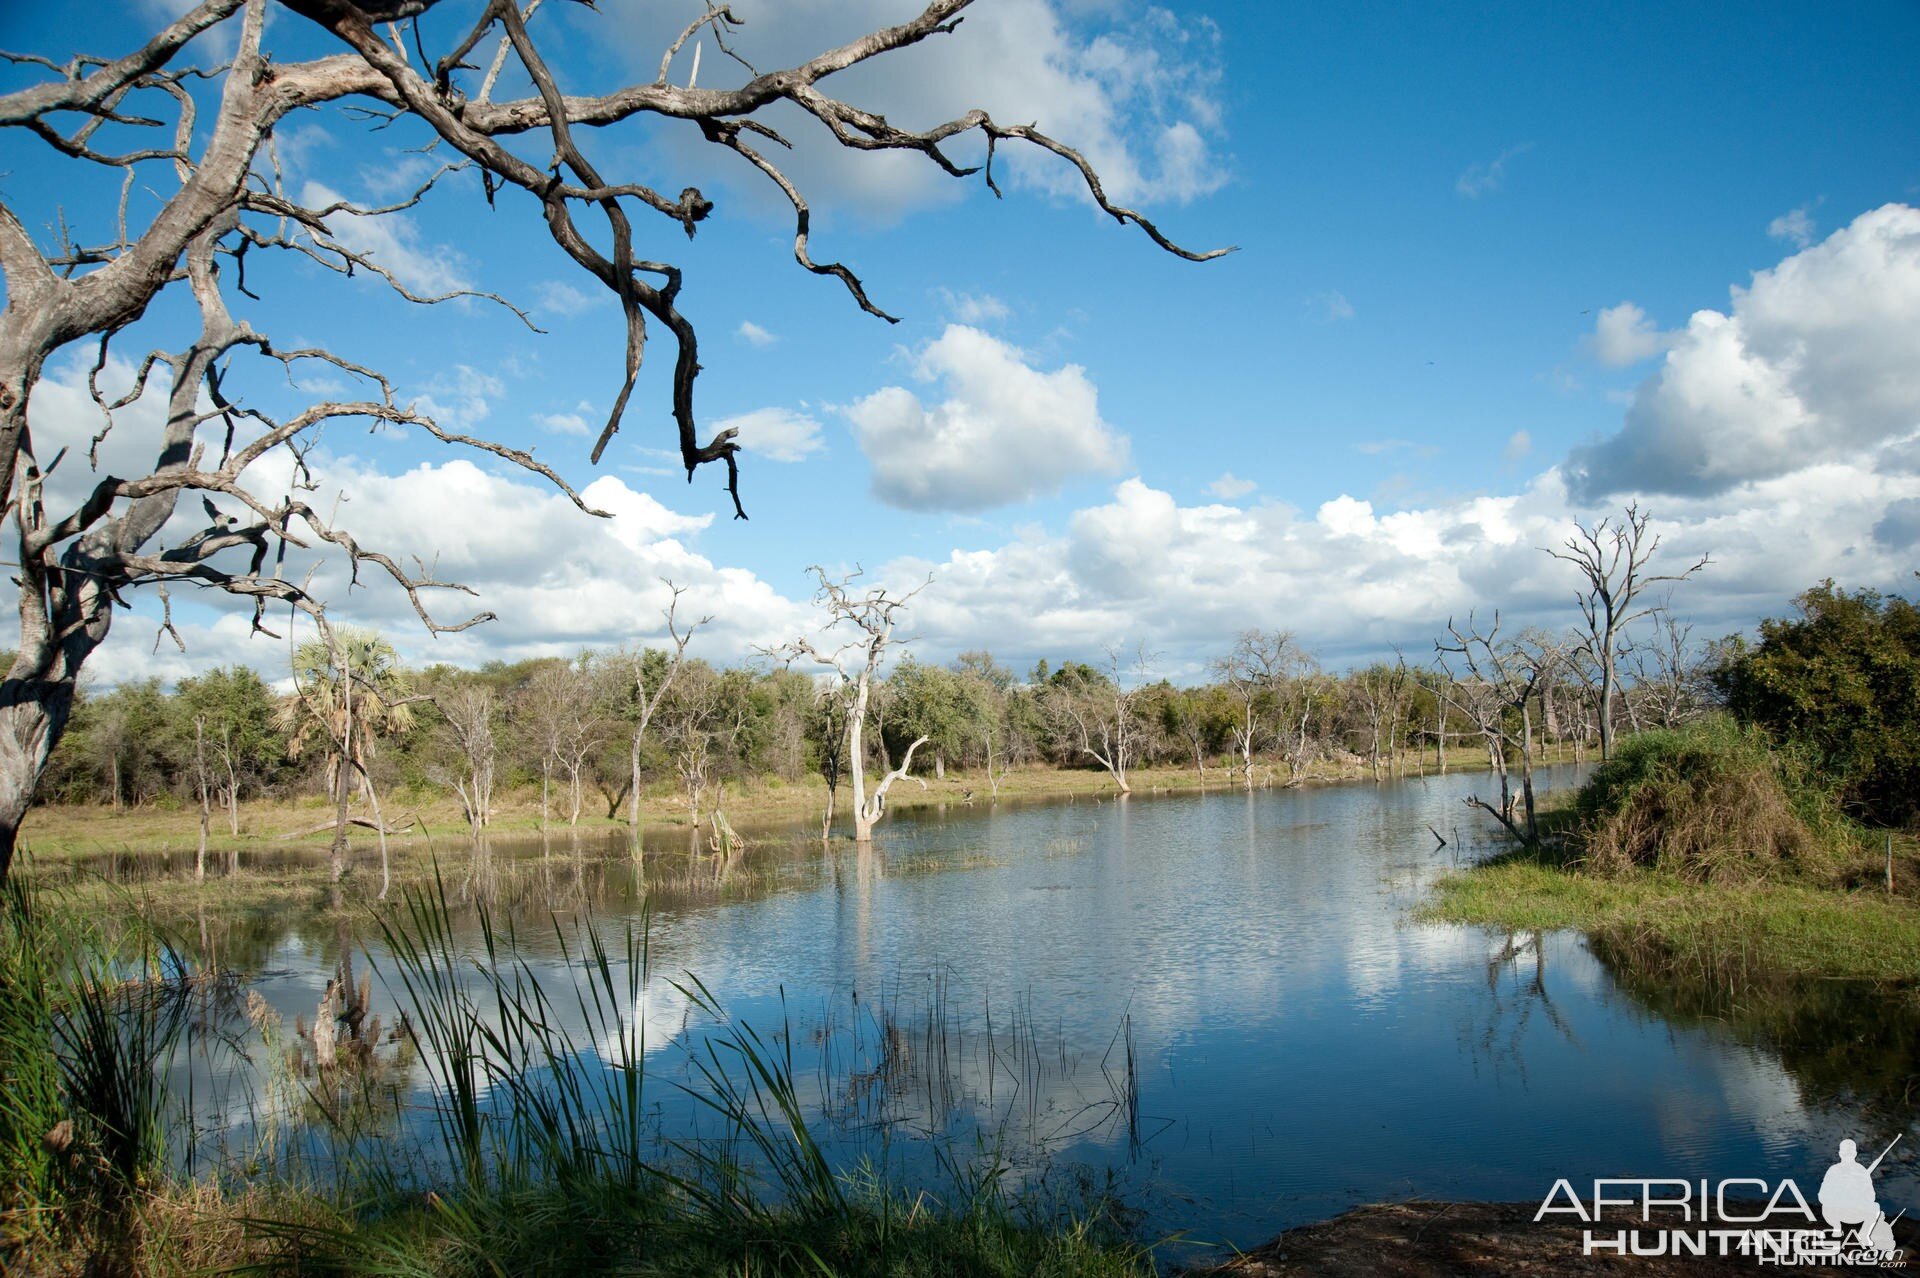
[1230, 487]
[1624, 335]
[1795, 226]
[775, 433]
[1813, 361]
[563, 423]
[1006, 431]
[1353, 581]
[974, 308]
[1135, 88]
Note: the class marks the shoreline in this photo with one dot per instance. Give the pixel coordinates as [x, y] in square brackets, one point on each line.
[53, 834]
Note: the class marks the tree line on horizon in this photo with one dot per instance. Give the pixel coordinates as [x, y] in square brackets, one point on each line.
[1268, 714]
[1840, 680]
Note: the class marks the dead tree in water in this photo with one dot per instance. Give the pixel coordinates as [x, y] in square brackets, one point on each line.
[652, 674]
[1496, 693]
[872, 615]
[1099, 716]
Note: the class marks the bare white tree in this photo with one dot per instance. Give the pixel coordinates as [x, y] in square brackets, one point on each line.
[871, 615]
[1669, 681]
[652, 677]
[1381, 692]
[468, 708]
[582, 724]
[543, 716]
[1496, 691]
[1612, 558]
[1102, 720]
[203, 782]
[704, 722]
[1253, 673]
[202, 140]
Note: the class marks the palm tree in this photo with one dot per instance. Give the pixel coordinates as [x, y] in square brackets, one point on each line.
[349, 692]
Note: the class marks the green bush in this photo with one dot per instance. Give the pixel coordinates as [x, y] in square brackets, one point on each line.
[1842, 683]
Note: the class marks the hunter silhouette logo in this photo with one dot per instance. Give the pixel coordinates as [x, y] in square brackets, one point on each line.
[1774, 1223]
[1848, 1203]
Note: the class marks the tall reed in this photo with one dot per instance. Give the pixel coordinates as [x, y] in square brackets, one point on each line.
[87, 1024]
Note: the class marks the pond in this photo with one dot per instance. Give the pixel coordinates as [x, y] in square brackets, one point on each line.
[1217, 1000]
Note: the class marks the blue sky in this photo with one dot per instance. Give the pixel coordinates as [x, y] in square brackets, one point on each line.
[1440, 211]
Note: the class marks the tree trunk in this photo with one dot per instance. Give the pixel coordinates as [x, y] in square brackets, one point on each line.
[380, 829]
[1526, 772]
[633, 783]
[1606, 706]
[337, 852]
[233, 782]
[867, 815]
[856, 755]
[343, 773]
[206, 799]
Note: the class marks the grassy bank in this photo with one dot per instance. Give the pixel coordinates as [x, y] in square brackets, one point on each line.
[1703, 930]
[1706, 857]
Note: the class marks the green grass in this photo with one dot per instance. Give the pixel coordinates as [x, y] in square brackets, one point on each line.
[1698, 930]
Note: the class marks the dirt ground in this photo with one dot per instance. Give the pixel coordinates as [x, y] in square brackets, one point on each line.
[1429, 1239]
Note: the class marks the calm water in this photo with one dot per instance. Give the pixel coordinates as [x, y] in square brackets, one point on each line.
[1218, 998]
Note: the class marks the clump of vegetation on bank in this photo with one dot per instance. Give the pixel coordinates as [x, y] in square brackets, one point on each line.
[1767, 843]
[1702, 856]
[1711, 802]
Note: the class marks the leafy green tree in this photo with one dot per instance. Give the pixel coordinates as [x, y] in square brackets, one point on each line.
[1842, 681]
[931, 702]
[1199, 721]
[991, 705]
[123, 738]
[235, 712]
[777, 741]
